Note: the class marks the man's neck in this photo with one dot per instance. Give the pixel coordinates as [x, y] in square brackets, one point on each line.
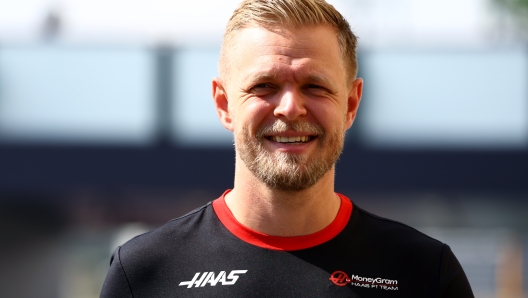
[279, 213]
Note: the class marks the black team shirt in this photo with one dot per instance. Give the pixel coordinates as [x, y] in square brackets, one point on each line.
[208, 253]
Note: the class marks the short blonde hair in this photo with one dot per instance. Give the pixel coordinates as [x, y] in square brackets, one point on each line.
[292, 14]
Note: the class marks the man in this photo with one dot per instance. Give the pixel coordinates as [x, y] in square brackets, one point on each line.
[288, 91]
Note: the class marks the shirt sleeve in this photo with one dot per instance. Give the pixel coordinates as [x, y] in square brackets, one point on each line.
[453, 280]
[116, 283]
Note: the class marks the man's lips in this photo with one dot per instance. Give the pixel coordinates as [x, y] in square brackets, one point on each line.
[291, 139]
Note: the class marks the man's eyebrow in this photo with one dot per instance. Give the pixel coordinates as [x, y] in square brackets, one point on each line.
[262, 77]
[312, 78]
[317, 79]
[322, 80]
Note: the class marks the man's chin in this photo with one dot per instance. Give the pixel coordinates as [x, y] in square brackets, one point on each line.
[289, 177]
[290, 160]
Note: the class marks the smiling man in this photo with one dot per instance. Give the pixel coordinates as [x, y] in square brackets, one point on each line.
[288, 97]
[288, 91]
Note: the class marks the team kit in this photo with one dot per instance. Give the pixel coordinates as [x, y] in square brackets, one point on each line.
[358, 255]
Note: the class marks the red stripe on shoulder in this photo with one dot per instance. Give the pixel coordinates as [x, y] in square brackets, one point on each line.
[283, 243]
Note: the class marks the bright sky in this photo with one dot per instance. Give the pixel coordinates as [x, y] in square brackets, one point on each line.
[377, 22]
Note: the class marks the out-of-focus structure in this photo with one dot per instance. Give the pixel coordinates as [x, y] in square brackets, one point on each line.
[107, 129]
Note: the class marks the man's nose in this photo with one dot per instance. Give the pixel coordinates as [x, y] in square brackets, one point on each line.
[291, 105]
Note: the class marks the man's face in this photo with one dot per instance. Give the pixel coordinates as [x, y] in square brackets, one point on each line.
[290, 103]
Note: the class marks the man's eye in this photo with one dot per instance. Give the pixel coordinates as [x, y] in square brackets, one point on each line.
[262, 89]
[262, 85]
[316, 90]
[313, 86]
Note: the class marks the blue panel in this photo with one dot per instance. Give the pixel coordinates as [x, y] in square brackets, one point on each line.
[468, 99]
[62, 94]
[195, 120]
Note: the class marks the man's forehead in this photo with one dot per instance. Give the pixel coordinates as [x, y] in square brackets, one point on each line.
[284, 44]
[258, 46]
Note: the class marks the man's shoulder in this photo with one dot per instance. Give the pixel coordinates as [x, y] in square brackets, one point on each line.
[392, 233]
[173, 234]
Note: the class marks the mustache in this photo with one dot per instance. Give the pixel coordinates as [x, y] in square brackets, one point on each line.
[280, 126]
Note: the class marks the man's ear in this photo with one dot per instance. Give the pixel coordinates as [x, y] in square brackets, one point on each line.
[354, 97]
[221, 103]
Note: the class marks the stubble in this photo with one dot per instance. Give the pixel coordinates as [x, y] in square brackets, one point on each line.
[287, 171]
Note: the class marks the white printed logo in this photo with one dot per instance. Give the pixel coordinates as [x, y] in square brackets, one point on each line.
[340, 278]
[210, 278]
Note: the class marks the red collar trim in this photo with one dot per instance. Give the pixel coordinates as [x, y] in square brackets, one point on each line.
[282, 243]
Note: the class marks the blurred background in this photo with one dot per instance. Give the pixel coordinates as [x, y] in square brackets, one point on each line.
[107, 130]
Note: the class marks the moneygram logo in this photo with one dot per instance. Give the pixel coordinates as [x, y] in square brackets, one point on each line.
[212, 279]
[340, 278]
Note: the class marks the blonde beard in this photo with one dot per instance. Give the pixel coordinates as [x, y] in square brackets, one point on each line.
[286, 171]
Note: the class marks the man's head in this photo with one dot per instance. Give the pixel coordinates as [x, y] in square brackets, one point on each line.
[289, 14]
[289, 98]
